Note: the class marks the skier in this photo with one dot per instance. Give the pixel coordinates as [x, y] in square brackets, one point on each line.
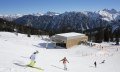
[102, 48]
[95, 64]
[33, 57]
[64, 60]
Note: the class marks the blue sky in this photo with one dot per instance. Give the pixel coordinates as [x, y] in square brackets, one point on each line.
[60, 6]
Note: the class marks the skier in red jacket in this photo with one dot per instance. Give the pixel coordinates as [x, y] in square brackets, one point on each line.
[64, 60]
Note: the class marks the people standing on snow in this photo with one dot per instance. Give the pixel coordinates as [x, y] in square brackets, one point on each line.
[102, 48]
[95, 64]
[33, 57]
[64, 60]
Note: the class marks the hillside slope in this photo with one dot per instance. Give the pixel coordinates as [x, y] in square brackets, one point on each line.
[15, 52]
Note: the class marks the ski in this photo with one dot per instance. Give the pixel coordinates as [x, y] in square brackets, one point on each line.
[35, 67]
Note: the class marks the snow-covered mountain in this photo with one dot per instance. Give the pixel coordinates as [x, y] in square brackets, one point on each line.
[51, 13]
[37, 14]
[109, 15]
[93, 15]
[68, 21]
[11, 17]
[104, 14]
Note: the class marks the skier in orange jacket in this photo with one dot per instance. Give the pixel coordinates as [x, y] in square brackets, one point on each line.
[64, 60]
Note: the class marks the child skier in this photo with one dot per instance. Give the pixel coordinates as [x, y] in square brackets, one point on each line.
[64, 60]
[33, 57]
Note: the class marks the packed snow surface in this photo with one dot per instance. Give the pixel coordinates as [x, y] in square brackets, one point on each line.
[16, 50]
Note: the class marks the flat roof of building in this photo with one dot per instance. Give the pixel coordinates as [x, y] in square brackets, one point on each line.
[71, 34]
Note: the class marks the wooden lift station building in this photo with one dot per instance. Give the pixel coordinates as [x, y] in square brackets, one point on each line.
[68, 40]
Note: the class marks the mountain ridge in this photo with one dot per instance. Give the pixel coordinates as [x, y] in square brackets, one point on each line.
[106, 14]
